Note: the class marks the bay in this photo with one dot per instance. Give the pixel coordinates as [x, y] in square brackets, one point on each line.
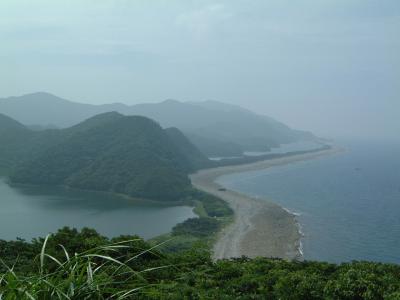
[30, 211]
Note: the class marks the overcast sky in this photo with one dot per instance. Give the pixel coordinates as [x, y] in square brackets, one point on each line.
[330, 66]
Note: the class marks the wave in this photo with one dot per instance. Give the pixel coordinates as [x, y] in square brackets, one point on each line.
[294, 213]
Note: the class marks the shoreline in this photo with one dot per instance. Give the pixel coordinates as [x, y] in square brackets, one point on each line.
[260, 227]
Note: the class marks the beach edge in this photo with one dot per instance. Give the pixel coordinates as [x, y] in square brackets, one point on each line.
[260, 227]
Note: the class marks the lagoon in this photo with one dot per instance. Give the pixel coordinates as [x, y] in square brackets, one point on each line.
[32, 211]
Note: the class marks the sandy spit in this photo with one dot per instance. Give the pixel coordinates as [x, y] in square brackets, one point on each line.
[260, 227]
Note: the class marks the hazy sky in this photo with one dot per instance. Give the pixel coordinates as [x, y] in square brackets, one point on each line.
[330, 66]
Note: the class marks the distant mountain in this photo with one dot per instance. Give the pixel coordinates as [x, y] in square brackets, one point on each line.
[46, 109]
[130, 155]
[216, 128]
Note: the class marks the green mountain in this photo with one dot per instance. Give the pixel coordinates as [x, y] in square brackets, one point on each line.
[187, 149]
[110, 152]
[12, 136]
[216, 128]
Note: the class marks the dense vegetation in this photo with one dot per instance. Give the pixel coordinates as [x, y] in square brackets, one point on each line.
[18, 144]
[90, 266]
[109, 152]
[217, 129]
[213, 213]
[187, 150]
[200, 227]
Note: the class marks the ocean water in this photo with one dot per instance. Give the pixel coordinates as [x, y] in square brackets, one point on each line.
[29, 212]
[348, 204]
[295, 146]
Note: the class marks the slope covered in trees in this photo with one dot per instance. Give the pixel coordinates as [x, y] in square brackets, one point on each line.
[18, 144]
[110, 152]
[216, 128]
[12, 137]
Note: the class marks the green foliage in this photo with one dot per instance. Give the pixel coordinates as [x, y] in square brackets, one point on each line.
[104, 269]
[92, 274]
[176, 244]
[213, 213]
[217, 129]
[109, 152]
[199, 227]
[277, 279]
[13, 135]
[213, 206]
[18, 144]
[187, 150]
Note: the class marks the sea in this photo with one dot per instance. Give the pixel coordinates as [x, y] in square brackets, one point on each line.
[347, 204]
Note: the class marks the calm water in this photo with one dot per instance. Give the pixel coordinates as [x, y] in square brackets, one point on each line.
[348, 204]
[35, 211]
[285, 148]
[296, 146]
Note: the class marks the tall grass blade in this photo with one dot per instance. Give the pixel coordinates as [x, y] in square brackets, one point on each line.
[42, 252]
[90, 273]
[65, 252]
[54, 259]
[125, 294]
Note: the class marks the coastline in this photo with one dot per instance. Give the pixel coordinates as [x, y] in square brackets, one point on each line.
[260, 227]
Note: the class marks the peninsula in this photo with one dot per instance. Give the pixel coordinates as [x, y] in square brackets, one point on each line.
[260, 227]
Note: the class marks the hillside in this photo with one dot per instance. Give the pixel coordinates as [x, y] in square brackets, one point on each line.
[187, 149]
[131, 155]
[13, 135]
[216, 128]
[19, 144]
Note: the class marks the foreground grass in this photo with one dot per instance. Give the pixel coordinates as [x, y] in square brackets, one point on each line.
[90, 266]
[92, 274]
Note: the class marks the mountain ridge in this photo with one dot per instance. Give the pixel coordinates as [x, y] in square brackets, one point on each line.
[216, 128]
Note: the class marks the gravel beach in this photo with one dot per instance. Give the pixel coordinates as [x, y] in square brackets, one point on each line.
[260, 227]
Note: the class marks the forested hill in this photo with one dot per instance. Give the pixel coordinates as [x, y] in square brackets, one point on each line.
[131, 155]
[19, 144]
[217, 129]
[12, 137]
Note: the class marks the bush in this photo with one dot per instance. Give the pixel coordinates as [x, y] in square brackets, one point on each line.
[214, 206]
[200, 227]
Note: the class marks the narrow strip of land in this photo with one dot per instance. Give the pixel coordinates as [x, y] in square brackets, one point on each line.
[260, 227]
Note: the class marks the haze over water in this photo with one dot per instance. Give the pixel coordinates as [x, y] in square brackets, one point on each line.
[349, 203]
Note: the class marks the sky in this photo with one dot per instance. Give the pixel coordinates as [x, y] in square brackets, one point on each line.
[329, 66]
